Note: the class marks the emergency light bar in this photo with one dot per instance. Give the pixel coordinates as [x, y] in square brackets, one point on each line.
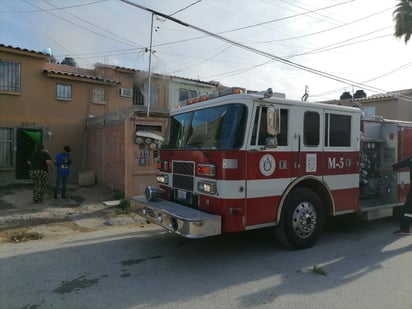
[220, 93]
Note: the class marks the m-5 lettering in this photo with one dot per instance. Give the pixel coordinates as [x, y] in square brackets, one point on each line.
[336, 163]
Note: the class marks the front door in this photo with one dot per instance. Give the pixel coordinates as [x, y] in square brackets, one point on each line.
[26, 139]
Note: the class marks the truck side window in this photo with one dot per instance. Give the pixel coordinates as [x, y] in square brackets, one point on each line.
[261, 131]
[255, 126]
[283, 135]
[337, 130]
[311, 128]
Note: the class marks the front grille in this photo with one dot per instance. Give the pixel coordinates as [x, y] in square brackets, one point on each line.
[183, 180]
[184, 168]
[183, 175]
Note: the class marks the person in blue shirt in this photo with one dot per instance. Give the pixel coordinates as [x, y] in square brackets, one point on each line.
[62, 162]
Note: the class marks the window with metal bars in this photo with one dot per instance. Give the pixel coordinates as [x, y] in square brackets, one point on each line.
[63, 92]
[6, 147]
[9, 76]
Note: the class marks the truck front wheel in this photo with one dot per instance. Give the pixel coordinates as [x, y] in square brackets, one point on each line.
[301, 219]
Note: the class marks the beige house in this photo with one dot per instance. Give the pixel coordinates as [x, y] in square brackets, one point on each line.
[97, 112]
[395, 105]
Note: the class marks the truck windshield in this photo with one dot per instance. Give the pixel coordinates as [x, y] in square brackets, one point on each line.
[221, 127]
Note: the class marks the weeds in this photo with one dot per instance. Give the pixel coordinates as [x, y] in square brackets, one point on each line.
[124, 206]
[25, 236]
[318, 270]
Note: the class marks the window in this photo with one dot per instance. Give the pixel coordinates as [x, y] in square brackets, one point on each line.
[311, 128]
[99, 95]
[220, 127]
[126, 92]
[369, 111]
[64, 92]
[337, 130]
[283, 135]
[6, 147]
[140, 98]
[185, 94]
[9, 76]
[154, 97]
[261, 113]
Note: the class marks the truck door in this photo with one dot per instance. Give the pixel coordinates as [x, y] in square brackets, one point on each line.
[267, 169]
[405, 151]
[340, 164]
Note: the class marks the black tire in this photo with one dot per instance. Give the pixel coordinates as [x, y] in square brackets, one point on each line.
[301, 220]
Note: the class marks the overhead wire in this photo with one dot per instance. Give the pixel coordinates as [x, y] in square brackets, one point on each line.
[268, 55]
[54, 9]
[259, 52]
[185, 8]
[34, 25]
[126, 41]
[331, 47]
[260, 24]
[80, 26]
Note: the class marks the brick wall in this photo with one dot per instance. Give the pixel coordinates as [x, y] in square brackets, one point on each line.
[106, 155]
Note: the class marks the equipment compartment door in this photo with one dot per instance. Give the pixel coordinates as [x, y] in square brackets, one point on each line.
[405, 151]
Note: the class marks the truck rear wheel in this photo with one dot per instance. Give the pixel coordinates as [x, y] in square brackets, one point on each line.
[301, 219]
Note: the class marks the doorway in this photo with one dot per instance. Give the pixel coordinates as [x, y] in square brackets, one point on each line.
[26, 139]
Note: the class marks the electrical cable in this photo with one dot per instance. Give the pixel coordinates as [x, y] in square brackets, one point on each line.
[259, 52]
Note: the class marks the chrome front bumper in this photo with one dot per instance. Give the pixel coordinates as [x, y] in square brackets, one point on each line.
[185, 221]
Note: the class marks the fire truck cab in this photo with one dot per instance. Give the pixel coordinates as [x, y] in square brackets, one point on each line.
[242, 161]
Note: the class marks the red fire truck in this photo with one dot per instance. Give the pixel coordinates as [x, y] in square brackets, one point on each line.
[239, 161]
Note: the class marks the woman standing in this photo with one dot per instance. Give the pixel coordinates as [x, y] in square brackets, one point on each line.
[40, 162]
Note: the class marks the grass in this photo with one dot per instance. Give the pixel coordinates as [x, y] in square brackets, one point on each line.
[318, 270]
[124, 206]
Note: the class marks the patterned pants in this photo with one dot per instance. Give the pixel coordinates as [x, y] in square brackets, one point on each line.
[40, 180]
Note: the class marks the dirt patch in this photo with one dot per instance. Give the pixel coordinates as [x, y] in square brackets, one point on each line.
[84, 210]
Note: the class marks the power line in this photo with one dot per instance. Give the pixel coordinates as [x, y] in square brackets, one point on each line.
[268, 22]
[55, 9]
[79, 26]
[130, 43]
[186, 7]
[259, 52]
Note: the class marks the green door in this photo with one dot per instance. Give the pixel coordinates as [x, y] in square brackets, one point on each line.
[25, 141]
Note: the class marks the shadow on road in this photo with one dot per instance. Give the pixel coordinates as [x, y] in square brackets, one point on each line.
[152, 268]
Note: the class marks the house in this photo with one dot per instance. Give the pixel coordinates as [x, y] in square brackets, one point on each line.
[96, 111]
[123, 146]
[395, 105]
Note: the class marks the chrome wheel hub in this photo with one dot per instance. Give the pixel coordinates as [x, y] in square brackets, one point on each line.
[304, 220]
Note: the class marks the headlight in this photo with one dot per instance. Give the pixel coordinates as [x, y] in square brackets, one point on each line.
[207, 187]
[163, 179]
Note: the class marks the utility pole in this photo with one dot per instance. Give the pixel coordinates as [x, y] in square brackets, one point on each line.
[149, 90]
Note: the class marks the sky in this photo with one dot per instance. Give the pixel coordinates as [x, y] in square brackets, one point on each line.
[321, 48]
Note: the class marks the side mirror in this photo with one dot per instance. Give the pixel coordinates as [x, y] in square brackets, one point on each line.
[273, 120]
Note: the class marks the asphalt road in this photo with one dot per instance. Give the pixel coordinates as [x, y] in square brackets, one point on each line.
[353, 265]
